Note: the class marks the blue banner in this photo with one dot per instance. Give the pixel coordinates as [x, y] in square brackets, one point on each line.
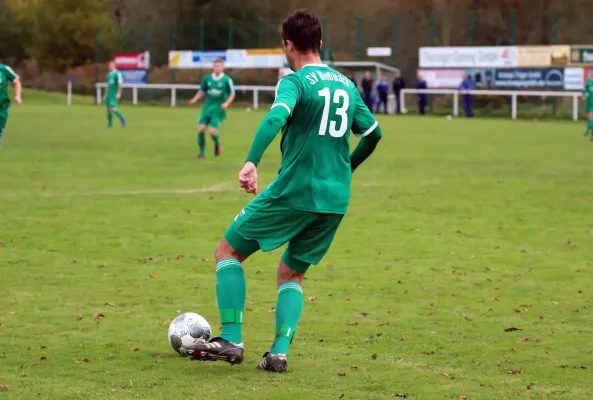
[208, 56]
[529, 78]
[134, 76]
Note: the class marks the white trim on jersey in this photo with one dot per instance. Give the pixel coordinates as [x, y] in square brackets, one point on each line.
[282, 105]
[219, 76]
[368, 131]
[16, 77]
[315, 65]
[232, 85]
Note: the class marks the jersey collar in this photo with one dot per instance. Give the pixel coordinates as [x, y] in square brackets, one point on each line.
[314, 65]
[216, 78]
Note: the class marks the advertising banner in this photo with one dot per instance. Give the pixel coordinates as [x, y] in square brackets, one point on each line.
[135, 76]
[529, 78]
[574, 78]
[234, 58]
[543, 56]
[581, 55]
[468, 57]
[379, 51]
[442, 78]
[125, 61]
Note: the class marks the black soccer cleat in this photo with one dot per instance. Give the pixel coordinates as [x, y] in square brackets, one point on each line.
[215, 350]
[217, 150]
[273, 363]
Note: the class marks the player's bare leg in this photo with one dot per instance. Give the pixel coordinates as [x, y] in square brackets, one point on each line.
[230, 293]
[202, 141]
[216, 138]
[288, 312]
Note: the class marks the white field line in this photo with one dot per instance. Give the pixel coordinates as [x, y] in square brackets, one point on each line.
[220, 187]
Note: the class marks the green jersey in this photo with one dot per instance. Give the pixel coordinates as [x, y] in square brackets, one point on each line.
[6, 75]
[217, 89]
[588, 91]
[323, 106]
[113, 80]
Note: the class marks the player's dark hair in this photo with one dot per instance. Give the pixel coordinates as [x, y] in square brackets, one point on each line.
[303, 29]
[218, 60]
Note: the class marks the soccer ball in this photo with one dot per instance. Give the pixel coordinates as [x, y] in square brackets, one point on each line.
[188, 329]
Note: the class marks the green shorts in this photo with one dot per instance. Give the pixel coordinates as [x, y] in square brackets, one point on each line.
[266, 225]
[111, 102]
[3, 119]
[588, 108]
[212, 117]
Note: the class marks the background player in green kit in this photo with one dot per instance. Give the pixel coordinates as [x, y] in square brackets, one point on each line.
[7, 75]
[220, 93]
[588, 97]
[316, 108]
[115, 84]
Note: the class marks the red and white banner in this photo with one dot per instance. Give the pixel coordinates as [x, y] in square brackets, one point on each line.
[442, 78]
[132, 60]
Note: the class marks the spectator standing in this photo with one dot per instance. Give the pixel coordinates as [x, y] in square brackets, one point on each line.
[383, 92]
[353, 79]
[398, 85]
[367, 90]
[464, 87]
[422, 97]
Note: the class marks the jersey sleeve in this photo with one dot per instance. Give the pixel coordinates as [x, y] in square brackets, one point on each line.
[10, 74]
[120, 78]
[363, 122]
[204, 85]
[231, 86]
[287, 93]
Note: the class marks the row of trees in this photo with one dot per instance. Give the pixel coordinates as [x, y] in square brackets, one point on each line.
[59, 34]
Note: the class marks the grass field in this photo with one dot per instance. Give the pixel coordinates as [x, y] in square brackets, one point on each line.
[457, 230]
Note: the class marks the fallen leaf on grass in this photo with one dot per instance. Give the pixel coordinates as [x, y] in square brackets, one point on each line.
[514, 372]
[23, 375]
[538, 340]
[110, 356]
[3, 388]
[373, 356]
[79, 316]
[512, 329]
[524, 338]
[311, 298]
[564, 366]
[513, 349]
[445, 374]
[341, 374]
[529, 386]
[462, 398]
[110, 304]
[137, 349]
[273, 309]
[157, 357]
[354, 367]
[83, 361]
[400, 395]
[99, 317]
[478, 363]
[340, 396]
[3, 355]
[510, 362]
[42, 358]
[378, 334]
[430, 353]
[33, 364]
[123, 386]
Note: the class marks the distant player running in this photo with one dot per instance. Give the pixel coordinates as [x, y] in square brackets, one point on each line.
[7, 75]
[316, 108]
[588, 97]
[115, 84]
[220, 93]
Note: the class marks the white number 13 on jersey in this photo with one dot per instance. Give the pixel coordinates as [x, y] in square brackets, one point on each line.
[340, 96]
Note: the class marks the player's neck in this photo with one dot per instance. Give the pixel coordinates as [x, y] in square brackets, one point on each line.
[306, 59]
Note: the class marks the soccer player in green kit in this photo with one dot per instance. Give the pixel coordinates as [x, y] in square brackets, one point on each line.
[315, 107]
[7, 75]
[115, 84]
[588, 97]
[220, 93]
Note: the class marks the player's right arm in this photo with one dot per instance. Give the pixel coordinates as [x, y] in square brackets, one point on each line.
[203, 89]
[367, 128]
[587, 88]
[287, 95]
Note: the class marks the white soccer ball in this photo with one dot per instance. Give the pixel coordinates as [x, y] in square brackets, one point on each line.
[449, 117]
[404, 110]
[248, 109]
[188, 329]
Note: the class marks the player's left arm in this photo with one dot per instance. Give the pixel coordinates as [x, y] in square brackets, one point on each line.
[18, 87]
[367, 128]
[120, 85]
[231, 98]
[287, 95]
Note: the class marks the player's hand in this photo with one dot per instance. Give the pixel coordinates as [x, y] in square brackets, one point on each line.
[192, 101]
[248, 178]
[18, 100]
[118, 96]
[224, 106]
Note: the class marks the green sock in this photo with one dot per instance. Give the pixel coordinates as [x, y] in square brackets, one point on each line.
[216, 139]
[589, 125]
[202, 142]
[119, 115]
[230, 293]
[288, 311]
[109, 118]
